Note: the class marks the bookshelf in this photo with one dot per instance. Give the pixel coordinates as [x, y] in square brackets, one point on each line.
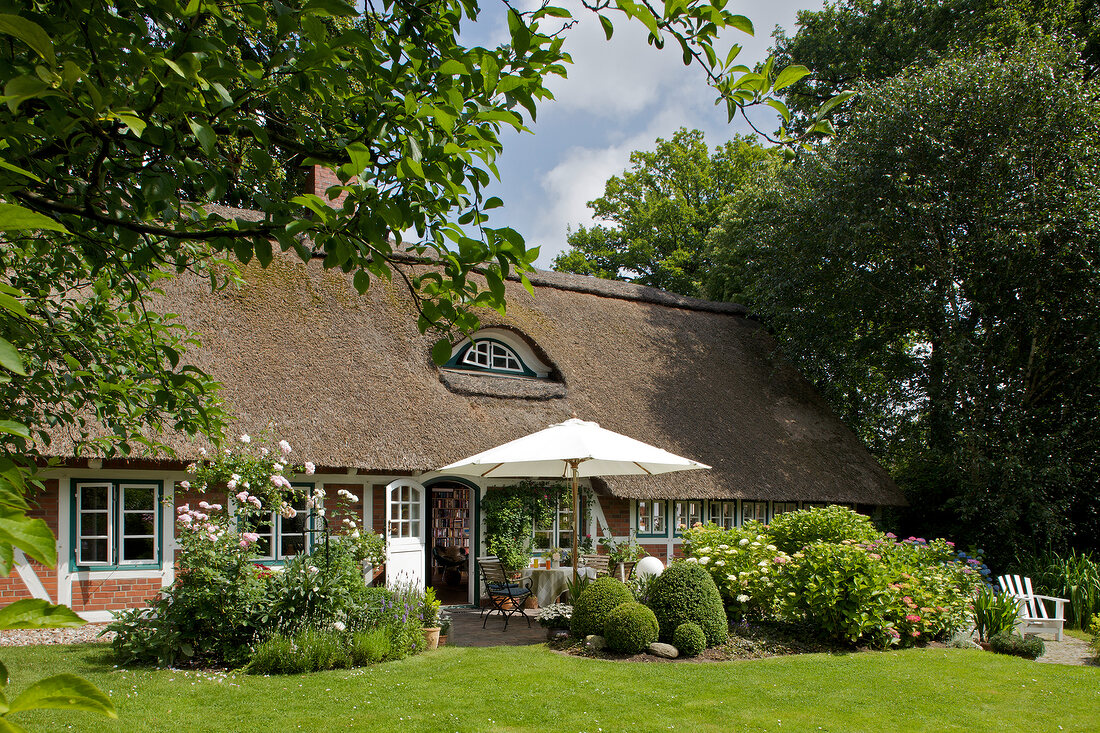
[451, 518]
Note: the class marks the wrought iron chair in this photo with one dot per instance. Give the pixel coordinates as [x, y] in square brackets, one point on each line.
[505, 597]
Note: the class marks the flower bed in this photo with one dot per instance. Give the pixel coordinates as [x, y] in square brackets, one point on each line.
[830, 569]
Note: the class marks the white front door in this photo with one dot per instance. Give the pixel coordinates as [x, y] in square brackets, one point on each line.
[405, 531]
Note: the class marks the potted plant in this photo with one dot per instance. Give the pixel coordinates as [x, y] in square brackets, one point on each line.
[429, 616]
[555, 619]
[622, 556]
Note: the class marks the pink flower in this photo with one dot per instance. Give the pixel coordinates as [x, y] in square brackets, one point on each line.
[781, 560]
[213, 537]
[185, 485]
[231, 484]
[184, 508]
[310, 468]
[284, 447]
[254, 501]
[914, 634]
[184, 519]
[250, 536]
[874, 556]
[204, 505]
[242, 496]
[244, 544]
[912, 618]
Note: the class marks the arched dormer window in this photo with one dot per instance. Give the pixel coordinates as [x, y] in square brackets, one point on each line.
[490, 355]
[498, 352]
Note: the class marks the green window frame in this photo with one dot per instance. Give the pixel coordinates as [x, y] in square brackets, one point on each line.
[782, 507]
[116, 524]
[686, 512]
[651, 519]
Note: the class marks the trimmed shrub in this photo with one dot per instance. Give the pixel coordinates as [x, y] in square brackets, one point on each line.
[1006, 642]
[689, 639]
[792, 531]
[630, 628]
[685, 592]
[596, 602]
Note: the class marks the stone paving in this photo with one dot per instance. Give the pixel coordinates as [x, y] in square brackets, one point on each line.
[1067, 651]
[466, 629]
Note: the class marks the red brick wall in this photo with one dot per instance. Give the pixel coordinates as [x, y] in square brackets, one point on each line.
[43, 505]
[617, 513]
[378, 521]
[106, 595]
[338, 508]
[659, 551]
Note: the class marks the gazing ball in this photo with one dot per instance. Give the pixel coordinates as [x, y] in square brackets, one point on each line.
[649, 566]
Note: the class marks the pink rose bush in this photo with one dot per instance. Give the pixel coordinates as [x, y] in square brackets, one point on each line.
[832, 569]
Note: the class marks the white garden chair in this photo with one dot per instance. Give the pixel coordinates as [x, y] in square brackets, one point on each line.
[1033, 610]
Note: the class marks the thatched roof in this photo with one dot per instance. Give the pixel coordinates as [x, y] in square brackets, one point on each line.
[350, 383]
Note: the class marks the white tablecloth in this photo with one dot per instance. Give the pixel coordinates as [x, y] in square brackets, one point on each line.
[549, 583]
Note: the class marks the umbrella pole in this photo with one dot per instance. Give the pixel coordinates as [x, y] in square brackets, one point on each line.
[576, 524]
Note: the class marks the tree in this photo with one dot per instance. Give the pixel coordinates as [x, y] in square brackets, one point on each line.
[850, 44]
[662, 208]
[125, 122]
[933, 272]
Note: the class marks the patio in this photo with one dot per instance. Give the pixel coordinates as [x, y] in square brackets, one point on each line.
[466, 629]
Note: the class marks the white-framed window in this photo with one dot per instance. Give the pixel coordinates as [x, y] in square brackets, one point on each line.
[754, 510]
[404, 517]
[117, 523]
[782, 507]
[283, 537]
[685, 513]
[652, 518]
[724, 513]
[557, 532]
[492, 355]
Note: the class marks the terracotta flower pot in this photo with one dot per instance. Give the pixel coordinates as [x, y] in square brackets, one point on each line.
[431, 636]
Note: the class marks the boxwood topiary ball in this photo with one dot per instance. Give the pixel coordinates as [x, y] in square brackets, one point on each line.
[689, 639]
[630, 628]
[686, 592]
[591, 609]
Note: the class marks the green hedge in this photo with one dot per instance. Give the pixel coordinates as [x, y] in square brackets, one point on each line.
[685, 592]
[630, 628]
[596, 602]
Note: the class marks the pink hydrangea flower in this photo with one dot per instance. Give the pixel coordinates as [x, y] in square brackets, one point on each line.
[912, 618]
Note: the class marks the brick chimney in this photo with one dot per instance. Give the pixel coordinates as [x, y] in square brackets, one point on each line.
[319, 179]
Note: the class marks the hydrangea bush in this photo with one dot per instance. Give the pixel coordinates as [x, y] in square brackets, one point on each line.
[846, 579]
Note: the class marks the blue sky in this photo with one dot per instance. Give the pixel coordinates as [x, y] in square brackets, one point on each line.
[620, 96]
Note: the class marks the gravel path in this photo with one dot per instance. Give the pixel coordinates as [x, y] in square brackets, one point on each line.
[1066, 651]
[89, 633]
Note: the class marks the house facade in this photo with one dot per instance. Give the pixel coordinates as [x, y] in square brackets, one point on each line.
[349, 382]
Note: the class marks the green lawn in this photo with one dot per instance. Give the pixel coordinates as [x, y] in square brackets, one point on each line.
[531, 688]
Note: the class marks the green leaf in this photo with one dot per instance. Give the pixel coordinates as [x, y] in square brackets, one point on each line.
[16, 218]
[742, 23]
[780, 108]
[29, 33]
[133, 123]
[22, 88]
[441, 352]
[32, 536]
[608, 26]
[492, 202]
[204, 134]
[789, 76]
[65, 691]
[10, 359]
[359, 154]
[361, 281]
[22, 171]
[35, 613]
[828, 106]
[14, 428]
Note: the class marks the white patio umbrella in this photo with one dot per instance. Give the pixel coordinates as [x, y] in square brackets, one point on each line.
[572, 449]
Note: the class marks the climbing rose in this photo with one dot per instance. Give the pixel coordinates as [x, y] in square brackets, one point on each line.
[245, 439]
[310, 468]
[284, 447]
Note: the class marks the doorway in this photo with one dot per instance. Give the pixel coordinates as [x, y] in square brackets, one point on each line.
[448, 561]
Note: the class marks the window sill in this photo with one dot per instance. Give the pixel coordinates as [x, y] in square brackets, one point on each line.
[488, 385]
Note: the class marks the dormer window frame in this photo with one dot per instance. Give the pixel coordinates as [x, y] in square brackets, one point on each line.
[496, 349]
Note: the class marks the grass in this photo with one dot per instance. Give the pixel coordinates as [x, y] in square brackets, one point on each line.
[532, 688]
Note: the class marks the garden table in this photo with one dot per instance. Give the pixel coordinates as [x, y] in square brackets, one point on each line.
[549, 583]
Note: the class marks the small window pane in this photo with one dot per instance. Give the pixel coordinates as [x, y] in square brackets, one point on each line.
[93, 550]
[93, 523]
[139, 548]
[295, 524]
[293, 545]
[93, 497]
[414, 528]
[139, 523]
[138, 498]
